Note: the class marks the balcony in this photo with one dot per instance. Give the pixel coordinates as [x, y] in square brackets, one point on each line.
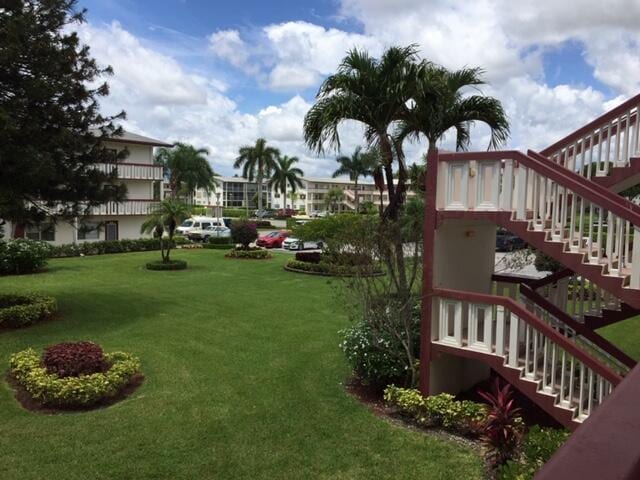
[133, 171]
[127, 207]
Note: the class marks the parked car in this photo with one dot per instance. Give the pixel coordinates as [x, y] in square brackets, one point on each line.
[285, 212]
[507, 241]
[319, 214]
[205, 234]
[262, 213]
[198, 223]
[293, 243]
[273, 239]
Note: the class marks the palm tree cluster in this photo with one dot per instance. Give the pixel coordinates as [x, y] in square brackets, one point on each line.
[164, 220]
[399, 97]
[186, 168]
[359, 164]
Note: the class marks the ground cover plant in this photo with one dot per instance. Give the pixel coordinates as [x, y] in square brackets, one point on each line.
[21, 310]
[244, 379]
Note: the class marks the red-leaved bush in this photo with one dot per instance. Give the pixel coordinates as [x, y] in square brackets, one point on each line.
[310, 257]
[503, 427]
[72, 359]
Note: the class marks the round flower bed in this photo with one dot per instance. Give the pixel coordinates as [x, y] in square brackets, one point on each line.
[172, 265]
[73, 375]
[22, 310]
[255, 253]
[343, 265]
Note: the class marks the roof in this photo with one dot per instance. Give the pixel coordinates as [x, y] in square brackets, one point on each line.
[361, 180]
[128, 137]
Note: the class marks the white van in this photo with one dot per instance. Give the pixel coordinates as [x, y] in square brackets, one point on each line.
[198, 222]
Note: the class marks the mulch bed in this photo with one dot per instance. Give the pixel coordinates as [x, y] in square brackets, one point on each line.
[28, 403]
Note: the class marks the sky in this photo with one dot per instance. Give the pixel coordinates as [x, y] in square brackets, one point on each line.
[220, 74]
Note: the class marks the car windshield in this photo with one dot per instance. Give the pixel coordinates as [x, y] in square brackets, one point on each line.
[187, 223]
[272, 234]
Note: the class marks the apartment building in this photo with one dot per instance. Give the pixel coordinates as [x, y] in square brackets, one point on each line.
[113, 220]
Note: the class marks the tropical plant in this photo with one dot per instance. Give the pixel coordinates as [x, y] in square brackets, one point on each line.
[359, 164]
[286, 174]
[417, 175]
[186, 169]
[333, 199]
[503, 428]
[165, 219]
[256, 162]
[244, 232]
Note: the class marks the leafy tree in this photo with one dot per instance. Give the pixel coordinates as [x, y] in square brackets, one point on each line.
[165, 219]
[359, 164]
[333, 199]
[417, 175]
[285, 173]
[51, 132]
[256, 162]
[244, 232]
[187, 169]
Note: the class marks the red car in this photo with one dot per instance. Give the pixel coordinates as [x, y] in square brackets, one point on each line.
[273, 239]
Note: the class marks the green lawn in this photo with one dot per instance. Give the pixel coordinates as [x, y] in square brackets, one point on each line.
[625, 335]
[244, 380]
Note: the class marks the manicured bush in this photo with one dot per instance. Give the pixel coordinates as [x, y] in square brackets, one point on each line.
[250, 254]
[234, 212]
[72, 359]
[111, 246]
[443, 410]
[22, 310]
[220, 240]
[51, 389]
[538, 447]
[330, 269]
[310, 257]
[172, 265]
[244, 233]
[23, 256]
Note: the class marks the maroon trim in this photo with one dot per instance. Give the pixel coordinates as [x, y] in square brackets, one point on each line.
[512, 278]
[587, 333]
[430, 225]
[619, 174]
[593, 125]
[536, 323]
[606, 446]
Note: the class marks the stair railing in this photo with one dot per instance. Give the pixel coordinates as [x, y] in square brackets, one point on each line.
[609, 140]
[494, 325]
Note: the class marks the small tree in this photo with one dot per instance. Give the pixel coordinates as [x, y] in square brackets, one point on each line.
[169, 214]
[334, 198]
[244, 232]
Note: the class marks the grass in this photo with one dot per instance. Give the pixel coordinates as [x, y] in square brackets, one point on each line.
[244, 380]
[625, 335]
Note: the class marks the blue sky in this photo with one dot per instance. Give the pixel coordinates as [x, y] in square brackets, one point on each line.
[219, 74]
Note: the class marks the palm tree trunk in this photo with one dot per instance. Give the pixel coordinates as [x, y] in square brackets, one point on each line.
[259, 188]
[285, 198]
[355, 186]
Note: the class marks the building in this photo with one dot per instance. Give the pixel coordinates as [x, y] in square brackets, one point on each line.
[541, 335]
[112, 221]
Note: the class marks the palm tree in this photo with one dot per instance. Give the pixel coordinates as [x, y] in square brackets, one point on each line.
[187, 169]
[375, 93]
[333, 197]
[359, 164]
[440, 104]
[256, 162]
[165, 218]
[284, 173]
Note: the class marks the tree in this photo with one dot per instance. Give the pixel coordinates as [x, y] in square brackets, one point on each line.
[440, 104]
[256, 162]
[165, 219]
[284, 173]
[187, 169]
[244, 232]
[360, 164]
[51, 132]
[333, 198]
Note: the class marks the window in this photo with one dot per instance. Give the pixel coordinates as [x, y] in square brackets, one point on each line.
[45, 231]
[89, 231]
[303, 197]
[206, 225]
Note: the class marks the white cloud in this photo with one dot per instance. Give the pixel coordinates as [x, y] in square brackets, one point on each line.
[227, 45]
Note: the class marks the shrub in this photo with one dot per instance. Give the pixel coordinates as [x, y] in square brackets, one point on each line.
[111, 246]
[330, 269]
[503, 429]
[244, 232]
[50, 389]
[310, 257]
[72, 359]
[22, 310]
[263, 224]
[172, 265]
[350, 259]
[23, 256]
[441, 410]
[545, 263]
[220, 240]
[234, 212]
[252, 253]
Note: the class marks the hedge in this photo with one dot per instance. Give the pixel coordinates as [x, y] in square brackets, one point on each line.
[253, 254]
[23, 256]
[172, 265]
[110, 246]
[22, 310]
[234, 212]
[324, 268]
[220, 240]
[84, 390]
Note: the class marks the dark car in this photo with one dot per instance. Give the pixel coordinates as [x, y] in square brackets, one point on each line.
[507, 241]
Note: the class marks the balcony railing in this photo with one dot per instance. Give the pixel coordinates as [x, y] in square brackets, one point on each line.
[127, 207]
[133, 171]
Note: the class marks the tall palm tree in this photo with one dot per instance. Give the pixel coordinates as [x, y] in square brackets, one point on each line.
[333, 198]
[256, 162]
[187, 169]
[375, 93]
[440, 104]
[359, 164]
[285, 173]
[165, 218]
